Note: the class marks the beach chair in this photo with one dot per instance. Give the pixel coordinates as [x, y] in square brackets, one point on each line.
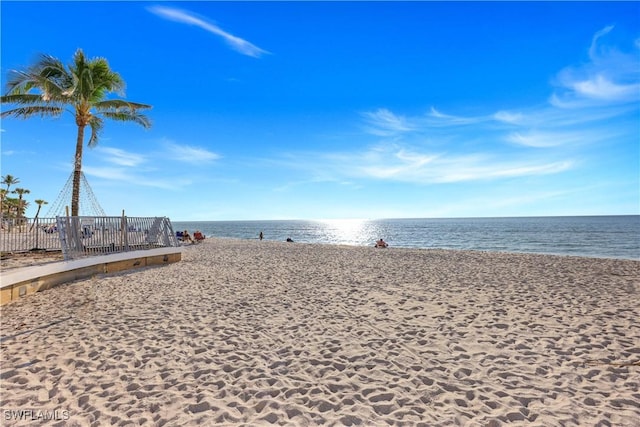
[154, 235]
[179, 235]
[198, 236]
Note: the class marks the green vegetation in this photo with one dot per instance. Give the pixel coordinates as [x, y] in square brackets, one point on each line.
[14, 207]
[82, 85]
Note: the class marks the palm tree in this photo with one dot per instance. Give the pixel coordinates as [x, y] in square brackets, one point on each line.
[22, 208]
[11, 206]
[3, 195]
[83, 85]
[39, 202]
[20, 192]
[9, 180]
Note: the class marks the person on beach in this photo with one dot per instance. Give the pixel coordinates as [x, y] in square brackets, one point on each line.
[186, 237]
[381, 244]
[261, 236]
[289, 239]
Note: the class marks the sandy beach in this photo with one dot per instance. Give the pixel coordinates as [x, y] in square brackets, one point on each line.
[243, 332]
[29, 259]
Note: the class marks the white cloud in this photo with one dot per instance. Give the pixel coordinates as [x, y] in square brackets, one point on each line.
[586, 99]
[182, 16]
[404, 164]
[132, 178]
[515, 170]
[475, 167]
[384, 123]
[435, 147]
[111, 173]
[120, 157]
[189, 154]
[508, 117]
[545, 139]
[610, 77]
[601, 87]
[449, 120]
[117, 165]
[593, 49]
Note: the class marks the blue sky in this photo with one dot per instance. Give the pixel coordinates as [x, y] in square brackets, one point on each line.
[326, 110]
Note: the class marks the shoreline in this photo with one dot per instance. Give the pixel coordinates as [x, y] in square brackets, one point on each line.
[243, 332]
[12, 260]
[421, 248]
[603, 236]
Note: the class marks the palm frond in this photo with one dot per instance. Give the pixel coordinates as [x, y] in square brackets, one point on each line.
[96, 124]
[51, 69]
[128, 116]
[18, 82]
[118, 104]
[35, 110]
[51, 65]
[93, 79]
[22, 99]
[108, 80]
[47, 75]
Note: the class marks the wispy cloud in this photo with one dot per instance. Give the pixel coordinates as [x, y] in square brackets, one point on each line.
[189, 154]
[399, 163]
[547, 139]
[610, 77]
[185, 17]
[120, 157]
[383, 122]
[593, 49]
[529, 141]
[161, 169]
[448, 120]
[584, 101]
[427, 168]
[508, 117]
[131, 177]
[110, 173]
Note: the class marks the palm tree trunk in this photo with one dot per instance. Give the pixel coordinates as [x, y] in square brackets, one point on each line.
[35, 220]
[77, 173]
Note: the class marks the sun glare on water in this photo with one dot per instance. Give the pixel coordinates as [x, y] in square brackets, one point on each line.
[348, 231]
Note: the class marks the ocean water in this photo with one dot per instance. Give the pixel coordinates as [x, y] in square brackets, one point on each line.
[589, 236]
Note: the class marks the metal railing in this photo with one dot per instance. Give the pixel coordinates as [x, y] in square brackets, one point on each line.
[26, 234]
[84, 236]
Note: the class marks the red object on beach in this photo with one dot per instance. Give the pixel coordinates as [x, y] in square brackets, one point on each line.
[198, 236]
